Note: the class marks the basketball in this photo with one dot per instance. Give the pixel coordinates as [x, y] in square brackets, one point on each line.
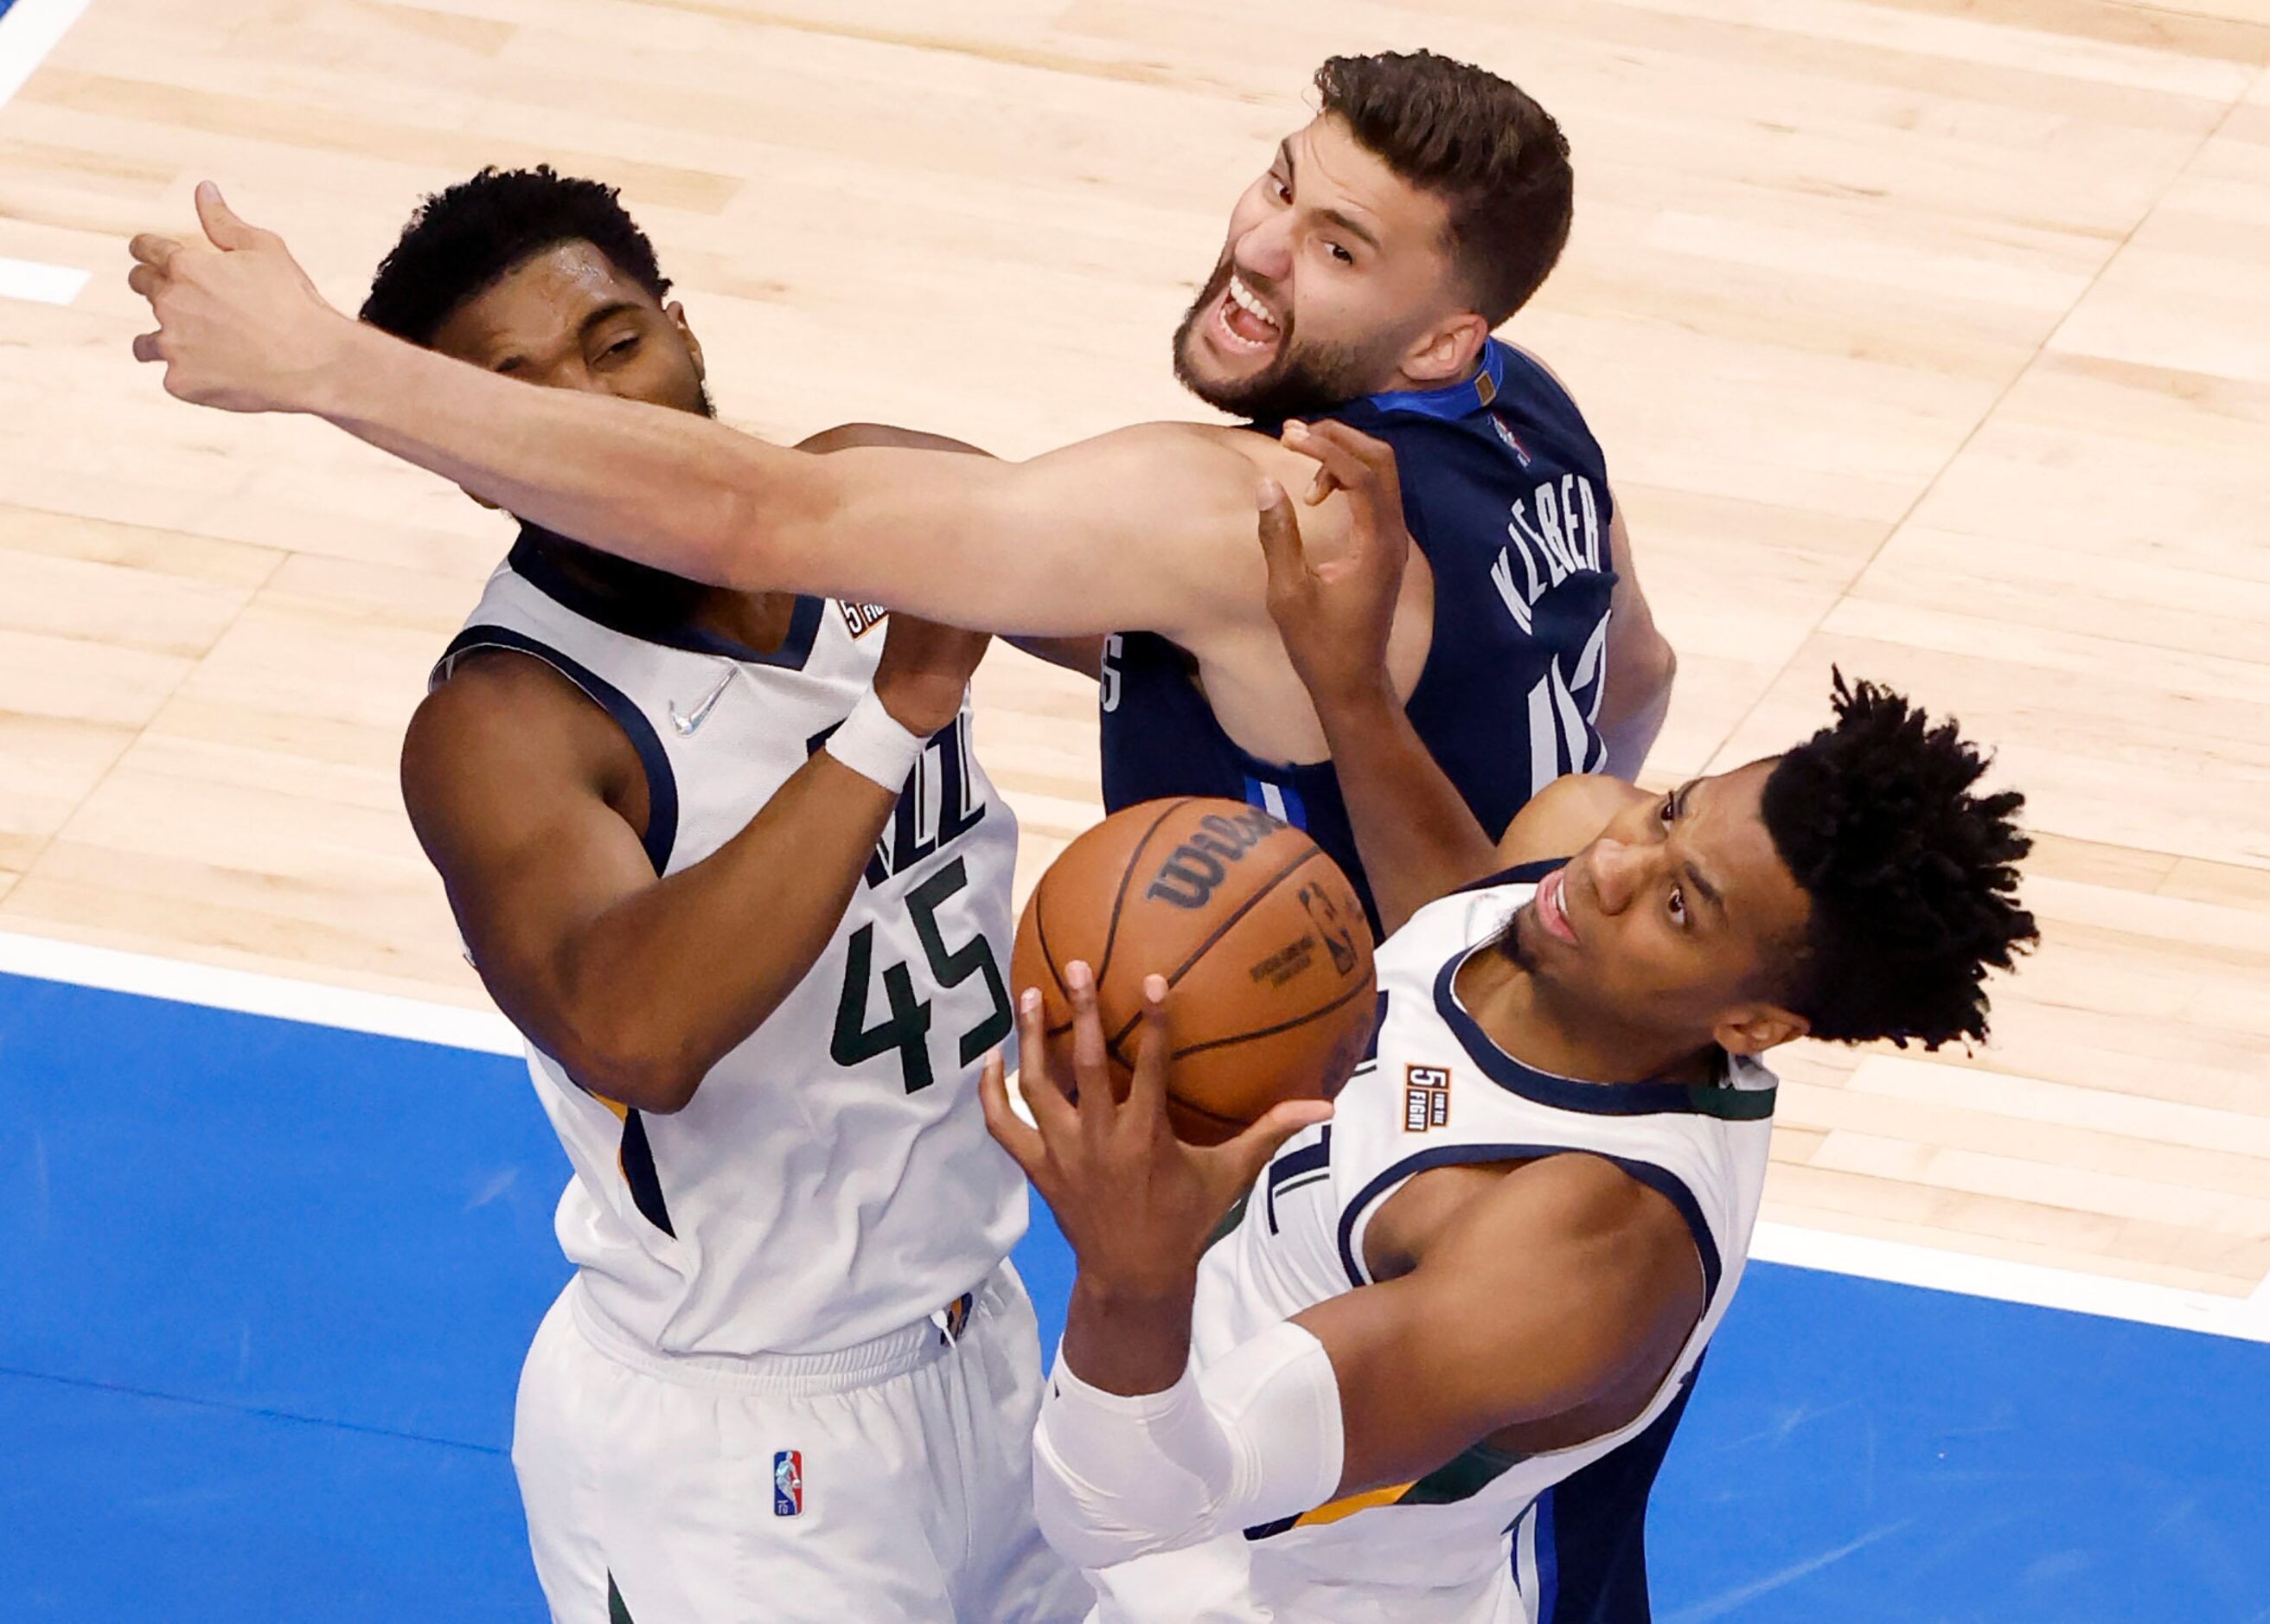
[1264, 946]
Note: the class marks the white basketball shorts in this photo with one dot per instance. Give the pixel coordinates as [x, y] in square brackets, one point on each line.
[1218, 1581]
[889, 1481]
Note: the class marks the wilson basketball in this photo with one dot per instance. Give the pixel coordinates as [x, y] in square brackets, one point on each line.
[1265, 947]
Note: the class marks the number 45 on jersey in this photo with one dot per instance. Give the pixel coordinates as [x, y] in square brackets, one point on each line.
[941, 803]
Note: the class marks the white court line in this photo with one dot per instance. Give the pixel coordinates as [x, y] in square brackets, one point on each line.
[28, 31]
[251, 992]
[45, 284]
[1973, 1276]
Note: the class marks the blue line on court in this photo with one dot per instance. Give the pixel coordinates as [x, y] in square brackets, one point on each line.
[267, 1286]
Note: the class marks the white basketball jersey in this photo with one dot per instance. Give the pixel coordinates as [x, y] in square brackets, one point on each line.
[832, 1179]
[1437, 1092]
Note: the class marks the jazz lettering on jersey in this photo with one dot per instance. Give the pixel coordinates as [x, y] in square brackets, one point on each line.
[1425, 1097]
[940, 804]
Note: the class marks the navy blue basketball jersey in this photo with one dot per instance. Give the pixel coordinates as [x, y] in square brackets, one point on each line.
[1506, 493]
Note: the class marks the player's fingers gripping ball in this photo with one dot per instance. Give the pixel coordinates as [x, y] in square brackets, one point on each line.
[1265, 947]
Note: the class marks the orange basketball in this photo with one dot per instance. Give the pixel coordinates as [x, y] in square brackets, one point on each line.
[1265, 947]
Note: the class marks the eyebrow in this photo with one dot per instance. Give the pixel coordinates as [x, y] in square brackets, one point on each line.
[1339, 217]
[1703, 888]
[605, 311]
[515, 355]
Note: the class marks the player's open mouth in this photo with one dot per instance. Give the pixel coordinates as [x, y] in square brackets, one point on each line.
[1549, 911]
[1244, 324]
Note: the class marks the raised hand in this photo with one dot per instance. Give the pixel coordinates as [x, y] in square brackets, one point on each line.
[925, 671]
[1136, 1203]
[240, 326]
[1334, 617]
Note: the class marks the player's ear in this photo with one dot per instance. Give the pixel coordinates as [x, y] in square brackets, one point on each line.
[1754, 1029]
[676, 312]
[1449, 351]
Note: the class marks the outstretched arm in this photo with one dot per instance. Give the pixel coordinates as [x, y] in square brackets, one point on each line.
[1143, 529]
[1082, 655]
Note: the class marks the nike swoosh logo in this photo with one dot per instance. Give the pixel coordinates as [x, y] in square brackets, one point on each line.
[687, 724]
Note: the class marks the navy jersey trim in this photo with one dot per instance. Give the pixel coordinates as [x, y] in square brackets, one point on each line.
[640, 1175]
[1297, 1170]
[530, 563]
[1548, 1559]
[661, 836]
[1591, 1527]
[1378, 1026]
[1720, 1099]
[1661, 1180]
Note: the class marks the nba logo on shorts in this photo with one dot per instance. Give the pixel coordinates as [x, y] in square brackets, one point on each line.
[787, 1483]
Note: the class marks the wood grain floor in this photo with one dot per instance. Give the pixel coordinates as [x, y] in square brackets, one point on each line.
[1926, 337]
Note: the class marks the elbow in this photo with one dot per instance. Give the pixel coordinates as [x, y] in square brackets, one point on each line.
[1639, 677]
[1659, 667]
[640, 1068]
[1084, 1530]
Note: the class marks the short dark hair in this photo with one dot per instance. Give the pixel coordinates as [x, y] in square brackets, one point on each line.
[462, 240]
[1479, 143]
[1911, 873]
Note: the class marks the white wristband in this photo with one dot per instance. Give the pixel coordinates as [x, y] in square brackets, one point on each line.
[872, 745]
[1254, 1437]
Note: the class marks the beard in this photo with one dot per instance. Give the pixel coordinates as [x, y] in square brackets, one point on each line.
[1298, 383]
[1507, 945]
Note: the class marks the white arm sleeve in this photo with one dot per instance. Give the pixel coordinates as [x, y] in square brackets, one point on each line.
[1254, 1437]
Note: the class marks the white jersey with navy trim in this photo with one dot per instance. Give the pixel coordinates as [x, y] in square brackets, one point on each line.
[832, 1179]
[1463, 1542]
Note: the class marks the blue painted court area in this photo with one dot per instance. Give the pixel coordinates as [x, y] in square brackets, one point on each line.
[267, 1286]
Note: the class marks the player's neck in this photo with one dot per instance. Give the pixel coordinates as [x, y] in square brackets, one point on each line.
[1404, 382]
[1522, 1016]
[757, 620]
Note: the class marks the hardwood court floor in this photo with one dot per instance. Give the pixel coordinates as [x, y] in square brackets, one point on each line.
[1926, 337]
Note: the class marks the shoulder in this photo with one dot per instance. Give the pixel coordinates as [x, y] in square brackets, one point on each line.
[1582, 1208]
[489, 686]
[503, 717]
[1566, 816]
[1536, 363]
[1535, 393]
